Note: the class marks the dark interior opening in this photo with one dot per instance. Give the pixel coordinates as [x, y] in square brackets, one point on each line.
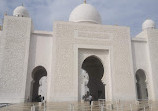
[142, 92]
[37, 74]
[93, 66]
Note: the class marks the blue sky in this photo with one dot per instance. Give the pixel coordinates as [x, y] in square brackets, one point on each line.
[130, 13]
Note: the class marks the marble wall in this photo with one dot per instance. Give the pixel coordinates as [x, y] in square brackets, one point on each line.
[14, 51]
[68, 39]
[153, 51]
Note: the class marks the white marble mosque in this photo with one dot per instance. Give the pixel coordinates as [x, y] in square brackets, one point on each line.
[81, 56]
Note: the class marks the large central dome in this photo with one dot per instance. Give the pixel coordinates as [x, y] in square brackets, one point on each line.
[85, 13]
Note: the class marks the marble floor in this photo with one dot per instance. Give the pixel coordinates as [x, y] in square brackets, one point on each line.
[77, 106]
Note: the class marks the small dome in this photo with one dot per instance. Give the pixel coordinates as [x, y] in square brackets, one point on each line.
[20, 11]
[85, 13]
[148, 24]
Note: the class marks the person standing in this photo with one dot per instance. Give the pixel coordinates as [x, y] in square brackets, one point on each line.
[90, 99]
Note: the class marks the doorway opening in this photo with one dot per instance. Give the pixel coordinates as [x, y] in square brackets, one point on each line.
[39, 84]
[142, 91]
[94, 69]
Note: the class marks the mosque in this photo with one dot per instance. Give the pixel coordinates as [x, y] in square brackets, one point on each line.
[81, 56]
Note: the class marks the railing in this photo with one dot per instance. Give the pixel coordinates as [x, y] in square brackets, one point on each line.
[100, 105]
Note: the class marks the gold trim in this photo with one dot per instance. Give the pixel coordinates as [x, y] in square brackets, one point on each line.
[85, 1]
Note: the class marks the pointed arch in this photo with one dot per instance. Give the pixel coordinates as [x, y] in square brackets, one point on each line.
[37, 73]
[95, 70]
[142, 91]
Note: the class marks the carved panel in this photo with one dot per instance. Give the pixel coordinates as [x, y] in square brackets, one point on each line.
[14, 56]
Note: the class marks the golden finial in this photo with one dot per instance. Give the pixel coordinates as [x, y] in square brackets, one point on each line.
[5, 13]
[0, 27]
[85, 1]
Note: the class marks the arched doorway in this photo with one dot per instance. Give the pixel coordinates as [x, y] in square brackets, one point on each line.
[39, 83]
[142, 92]
[95, 70]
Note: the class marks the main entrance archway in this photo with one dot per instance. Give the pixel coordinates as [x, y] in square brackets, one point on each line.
[142, 92]
[39, 83]
[95, 70]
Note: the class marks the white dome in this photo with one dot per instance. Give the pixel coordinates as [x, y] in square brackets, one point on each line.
[20, 11]
[85, 13]
[148, 24]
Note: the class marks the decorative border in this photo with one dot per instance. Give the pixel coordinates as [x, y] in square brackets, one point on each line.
[93, 35]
